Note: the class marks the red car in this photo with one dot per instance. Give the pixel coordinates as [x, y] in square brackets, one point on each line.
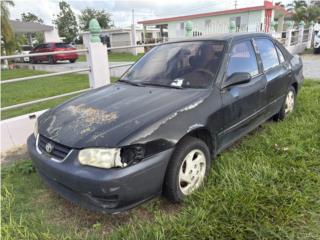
[53, 47]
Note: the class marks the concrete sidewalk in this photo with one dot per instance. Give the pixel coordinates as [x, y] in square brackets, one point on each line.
[311, 66]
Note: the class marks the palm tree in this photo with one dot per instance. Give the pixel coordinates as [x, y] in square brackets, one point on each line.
[6, 31]
[297, 5]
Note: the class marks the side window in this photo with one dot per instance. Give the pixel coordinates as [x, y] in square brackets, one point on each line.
[281, 57]
[242, 59]
[268, 53]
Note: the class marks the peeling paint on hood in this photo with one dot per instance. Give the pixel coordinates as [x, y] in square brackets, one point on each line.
[107, 116]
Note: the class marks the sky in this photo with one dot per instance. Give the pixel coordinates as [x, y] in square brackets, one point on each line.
[121, 10]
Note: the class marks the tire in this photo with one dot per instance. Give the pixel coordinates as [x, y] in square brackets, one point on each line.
[52, 60]
[316, 50]
[287, 107]
[33, 61]
[175, 188]
[72, 60]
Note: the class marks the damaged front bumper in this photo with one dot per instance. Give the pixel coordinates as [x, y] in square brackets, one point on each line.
[104, 190]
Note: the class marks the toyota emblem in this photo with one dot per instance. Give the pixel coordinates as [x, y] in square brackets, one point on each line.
[49, 147]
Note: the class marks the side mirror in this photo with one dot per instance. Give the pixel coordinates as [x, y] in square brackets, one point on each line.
[237, 78]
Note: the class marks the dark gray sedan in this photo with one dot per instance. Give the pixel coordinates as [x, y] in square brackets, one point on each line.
[157, 129]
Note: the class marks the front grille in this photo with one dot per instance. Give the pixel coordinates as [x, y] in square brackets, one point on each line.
[58, 151]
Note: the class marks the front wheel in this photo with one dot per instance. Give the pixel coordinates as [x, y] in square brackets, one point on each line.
[72, 60]
[288, 106]
[187, 170]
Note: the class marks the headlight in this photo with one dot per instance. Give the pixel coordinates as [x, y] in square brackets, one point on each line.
[101, 157]
[35, 129]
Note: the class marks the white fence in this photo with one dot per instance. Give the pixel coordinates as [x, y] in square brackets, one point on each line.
[15, 131]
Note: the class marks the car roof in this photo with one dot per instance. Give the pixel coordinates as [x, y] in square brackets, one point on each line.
[224, 37]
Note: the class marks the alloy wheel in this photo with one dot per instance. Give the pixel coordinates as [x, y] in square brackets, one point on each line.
[289, 103]
[192, 171]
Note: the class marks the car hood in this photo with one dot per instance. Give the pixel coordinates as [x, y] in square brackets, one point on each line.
[105, 117]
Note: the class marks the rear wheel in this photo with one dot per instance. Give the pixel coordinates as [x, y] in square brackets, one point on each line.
[187, 170]
[72, 60]
[288, 106]
[52, 60]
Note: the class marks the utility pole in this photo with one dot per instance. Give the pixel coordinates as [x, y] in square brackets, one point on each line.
[235, 4]
[133, 35]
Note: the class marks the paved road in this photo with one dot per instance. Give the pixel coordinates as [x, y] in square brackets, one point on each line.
[66, 66]
[311, 66]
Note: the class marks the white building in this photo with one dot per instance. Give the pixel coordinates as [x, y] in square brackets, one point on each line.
[123, 37]
[50, 33]
[256, 18]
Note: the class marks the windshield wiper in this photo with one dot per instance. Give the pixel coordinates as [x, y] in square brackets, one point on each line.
[132, 83]
[162, 85]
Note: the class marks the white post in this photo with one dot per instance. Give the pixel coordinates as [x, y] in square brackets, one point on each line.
[97, 57]
[5, 64]
[288, 35]
[310, 35]
[301, 31]
[133, 35]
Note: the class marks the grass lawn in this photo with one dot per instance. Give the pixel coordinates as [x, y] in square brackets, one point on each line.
[25, 91]
[267, 186]
[117, 57]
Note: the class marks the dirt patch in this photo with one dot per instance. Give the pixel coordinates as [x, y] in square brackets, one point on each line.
[68, 213]
[14, 155]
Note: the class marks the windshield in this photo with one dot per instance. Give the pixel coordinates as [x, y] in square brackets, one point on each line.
[26, 48]
[63, 45]
[180, 65]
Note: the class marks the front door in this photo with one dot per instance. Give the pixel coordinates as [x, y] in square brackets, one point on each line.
[241, 102]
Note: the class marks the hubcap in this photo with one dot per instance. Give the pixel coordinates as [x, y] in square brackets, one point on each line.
[289, 104]
[192, 171]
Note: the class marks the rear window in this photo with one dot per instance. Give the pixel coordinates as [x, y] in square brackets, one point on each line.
[63, 45]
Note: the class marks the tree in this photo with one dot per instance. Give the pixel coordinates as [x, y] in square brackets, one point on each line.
[6, 31]
[301, 11]
[297, 5]
[102, 17]
[66, 22]
[30, 17]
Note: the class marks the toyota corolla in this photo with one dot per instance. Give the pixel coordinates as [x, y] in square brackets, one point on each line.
[157, 129]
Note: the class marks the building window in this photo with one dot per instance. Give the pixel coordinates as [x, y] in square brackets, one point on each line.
[237, 21]
[207, 23]
[182, 25]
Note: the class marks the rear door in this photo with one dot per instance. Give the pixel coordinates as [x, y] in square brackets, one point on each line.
[241, 102]
[277, 72]
[42, 49]
[48, 47]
